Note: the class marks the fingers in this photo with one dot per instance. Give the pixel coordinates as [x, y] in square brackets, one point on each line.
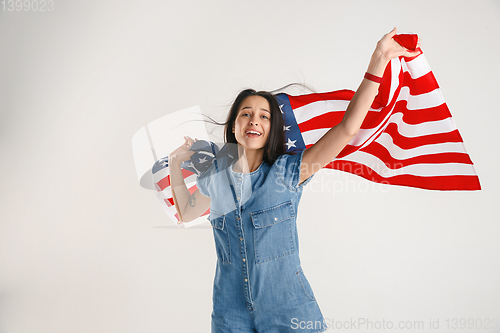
[392, 32]
[189, 141]
[412, 54]
[418, 43]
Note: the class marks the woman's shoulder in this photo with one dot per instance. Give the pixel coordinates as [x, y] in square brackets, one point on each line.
[288, 168]
[288, 158]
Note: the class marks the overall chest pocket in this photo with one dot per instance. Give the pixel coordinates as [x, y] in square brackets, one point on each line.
[273, 232]
[221, 236]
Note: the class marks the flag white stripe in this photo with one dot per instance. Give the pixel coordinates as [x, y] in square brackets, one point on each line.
[406, 130]
[314, 109]
[417, 67]
[401, 154]
[414, 102]
[421, 101]
[414, 131]
[395, 70]
[189, 179]
[425, 170]
[167, 192]
[430, 127]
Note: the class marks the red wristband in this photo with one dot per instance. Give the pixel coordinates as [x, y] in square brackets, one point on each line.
[373, 78]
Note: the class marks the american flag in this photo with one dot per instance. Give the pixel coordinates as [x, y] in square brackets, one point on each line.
[408, 137]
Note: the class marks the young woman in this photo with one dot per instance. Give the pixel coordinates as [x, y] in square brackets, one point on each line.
[253, 198]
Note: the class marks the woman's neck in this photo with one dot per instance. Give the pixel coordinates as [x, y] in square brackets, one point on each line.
[248, 161]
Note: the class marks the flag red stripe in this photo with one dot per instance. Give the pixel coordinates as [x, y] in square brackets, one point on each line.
[446, 183]
[409, 143]
[332, 118]
[408, 41]
[373, 118]
[326, 120]
[415, 117]
[170, 201]
[165, 182]
[299, 101]
[382, 153]
[421, 85]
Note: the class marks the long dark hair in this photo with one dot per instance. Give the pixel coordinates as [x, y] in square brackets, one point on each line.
[275, 146]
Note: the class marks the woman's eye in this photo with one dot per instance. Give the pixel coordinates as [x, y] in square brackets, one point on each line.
[265, 117]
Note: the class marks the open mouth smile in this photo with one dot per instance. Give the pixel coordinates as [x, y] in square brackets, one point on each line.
[253, 134]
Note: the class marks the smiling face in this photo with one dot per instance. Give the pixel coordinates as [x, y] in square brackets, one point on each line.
[253, 123]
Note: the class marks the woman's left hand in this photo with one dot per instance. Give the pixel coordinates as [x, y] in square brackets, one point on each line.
[388, 48]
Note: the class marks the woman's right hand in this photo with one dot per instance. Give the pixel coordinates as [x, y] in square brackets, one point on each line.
[388, 48]
[182, 153]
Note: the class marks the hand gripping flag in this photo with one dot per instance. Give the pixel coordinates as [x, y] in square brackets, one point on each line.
[200, 161]
[408, 137]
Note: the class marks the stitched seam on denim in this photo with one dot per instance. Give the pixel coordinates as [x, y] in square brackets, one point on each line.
[228, 242]
[215, 225]
[282, 179]
[280, 256]
[300, 185]
[303, 287]
[268, 225]
[285, 183]
[228, 261]
[305, 182]
[216, 212]
[267, 210]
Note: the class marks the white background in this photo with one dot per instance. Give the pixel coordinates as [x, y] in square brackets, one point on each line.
[83, 248]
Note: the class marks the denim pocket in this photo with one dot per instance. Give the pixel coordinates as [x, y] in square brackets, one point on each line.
[221, 236]
[306, 287]
[273, 232]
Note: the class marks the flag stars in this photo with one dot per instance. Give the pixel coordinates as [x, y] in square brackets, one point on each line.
[203, 160]
[281, 107]
[286, 128]
[290, 143]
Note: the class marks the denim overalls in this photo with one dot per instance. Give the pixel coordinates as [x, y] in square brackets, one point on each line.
[259, 285]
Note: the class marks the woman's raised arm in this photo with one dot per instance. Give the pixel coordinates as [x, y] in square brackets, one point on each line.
[332, 143]
[189, 206]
